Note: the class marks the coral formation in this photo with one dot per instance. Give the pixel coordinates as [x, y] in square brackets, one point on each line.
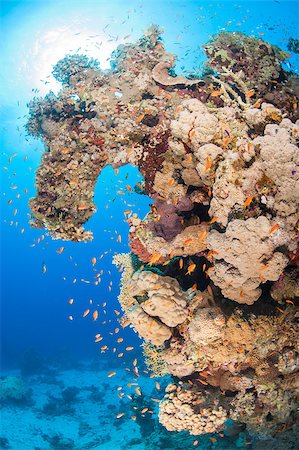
[210, 283]
[12, 389]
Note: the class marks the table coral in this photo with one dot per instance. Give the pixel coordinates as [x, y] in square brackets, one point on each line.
[210, 283]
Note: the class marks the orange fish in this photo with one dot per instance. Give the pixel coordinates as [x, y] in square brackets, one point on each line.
[144, 410]
[71, 301]
[181, 263]
[250, 93]
[190, 269]
[86, 312]
[213, 220]
[120, 415]
[129, 349]
[111, 374]
[139, 118]
[216, 93]
[248, 201]
[93, 261]
[138, 391]
[95, 315]
[83, 207]
[213, 439]
[208, 163]
[155, 258]
[158, 386]
[290, 301]
[273, 228]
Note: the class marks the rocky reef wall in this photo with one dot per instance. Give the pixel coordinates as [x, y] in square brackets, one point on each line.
[210, 283]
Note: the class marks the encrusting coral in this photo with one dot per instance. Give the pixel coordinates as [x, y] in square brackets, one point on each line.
[210, 283]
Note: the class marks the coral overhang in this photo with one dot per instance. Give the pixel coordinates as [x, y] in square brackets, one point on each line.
[209, 284]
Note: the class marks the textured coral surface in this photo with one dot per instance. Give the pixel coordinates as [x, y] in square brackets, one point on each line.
[211, 280]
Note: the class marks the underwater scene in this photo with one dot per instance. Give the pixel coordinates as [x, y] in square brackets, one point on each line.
[149, 225]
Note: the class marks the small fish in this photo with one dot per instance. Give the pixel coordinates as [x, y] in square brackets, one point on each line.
[216, 93]
[70, 318]
[155, 258]
[119, 340]
[195, 442]
[213, 220]
[250, 93]
[83, 207]
[203, 382]
[71, 301]
[275, 117]
[44, 267]
[144, 410]
[111, 374]
[86, 312]
[129, 349]
[290, 301]
[272, 229]
[95, 315]
[190, 269]
[158, 386]
[208, 163]
[120, 415]
[266, 266]
[248, 201]
[181, 263]
[129, 188]
[138, 392]
[60, 250]
[139, 118]
[213, 439]
[93, 261]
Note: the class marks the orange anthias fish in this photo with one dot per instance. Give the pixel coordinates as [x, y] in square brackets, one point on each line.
[95, 315]
[155, 258]
[248, 201]
[111, 374]
[190, 269]
[86, 312]
[208, 163]
[275, 227]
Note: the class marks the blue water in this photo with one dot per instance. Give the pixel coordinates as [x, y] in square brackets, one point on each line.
[34, 303]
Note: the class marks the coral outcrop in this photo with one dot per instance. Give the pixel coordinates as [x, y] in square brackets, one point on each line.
[211, 282]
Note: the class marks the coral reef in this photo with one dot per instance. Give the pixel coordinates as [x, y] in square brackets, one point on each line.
[210, 284]
[13, 389]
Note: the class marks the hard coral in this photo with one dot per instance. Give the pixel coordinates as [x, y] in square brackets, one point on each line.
[245, 257]
[220, 162]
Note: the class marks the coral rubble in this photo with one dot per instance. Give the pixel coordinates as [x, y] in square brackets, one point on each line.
[210, 283]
